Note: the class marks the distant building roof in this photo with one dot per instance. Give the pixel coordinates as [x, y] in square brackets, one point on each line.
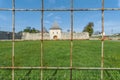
[44, 30]
[5, 32]
[55, 26]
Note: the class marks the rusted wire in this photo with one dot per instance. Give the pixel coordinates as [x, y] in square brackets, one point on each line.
[71, 43]
[13, 36]
[102, 68]
[60, 68]
[102, 44]
[78, 9]
[42, 19]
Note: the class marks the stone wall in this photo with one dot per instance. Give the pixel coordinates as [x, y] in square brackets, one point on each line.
[35, 36]
[46, 36]
[83, 35]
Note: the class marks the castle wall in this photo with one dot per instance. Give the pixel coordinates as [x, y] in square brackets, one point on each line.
[35, 36]
[83, 35]
[46, 36]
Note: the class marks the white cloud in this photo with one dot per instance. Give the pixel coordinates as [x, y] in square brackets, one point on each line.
[49, 15]
[112, 24]
[47, 22]
[59, 22]
[57, 18]
[2, 17]
[109, 26]
[118, 3]
[112, 27]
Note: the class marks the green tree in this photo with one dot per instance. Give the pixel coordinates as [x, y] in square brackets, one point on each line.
[33, 30]
[30, 30]
[27, 29]
[89, 28]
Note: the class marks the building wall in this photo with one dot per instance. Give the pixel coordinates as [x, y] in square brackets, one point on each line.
[83, 35]
[55, 33]
[66, 35]
[47, 36]
[35, 36]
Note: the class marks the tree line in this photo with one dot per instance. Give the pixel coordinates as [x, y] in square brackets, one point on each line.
[31, 30]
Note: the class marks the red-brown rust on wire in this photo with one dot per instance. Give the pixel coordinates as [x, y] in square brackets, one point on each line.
[71, 44]
[102, 44]
[42, 19]
[103, 39]
[78, 9]
[13, 36]
[59, 68]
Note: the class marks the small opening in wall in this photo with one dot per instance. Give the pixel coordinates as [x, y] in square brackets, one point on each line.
[55, 37]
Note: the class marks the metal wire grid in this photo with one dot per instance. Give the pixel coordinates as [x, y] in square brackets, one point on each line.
[102, 68]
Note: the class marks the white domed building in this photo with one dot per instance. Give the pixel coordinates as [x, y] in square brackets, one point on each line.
[55, 33]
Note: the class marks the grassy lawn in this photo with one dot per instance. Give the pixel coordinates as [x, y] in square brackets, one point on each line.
[57, 53]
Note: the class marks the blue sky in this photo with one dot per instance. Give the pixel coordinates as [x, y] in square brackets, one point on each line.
[81, 18]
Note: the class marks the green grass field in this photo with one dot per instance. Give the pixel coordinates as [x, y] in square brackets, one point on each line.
[57, 53]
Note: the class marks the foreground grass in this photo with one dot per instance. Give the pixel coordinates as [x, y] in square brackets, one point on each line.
[57, 53]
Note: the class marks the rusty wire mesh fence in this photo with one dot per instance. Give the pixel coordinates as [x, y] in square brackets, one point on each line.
[42, 70]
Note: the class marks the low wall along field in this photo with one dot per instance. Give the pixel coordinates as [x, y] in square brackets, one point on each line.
[46, 36]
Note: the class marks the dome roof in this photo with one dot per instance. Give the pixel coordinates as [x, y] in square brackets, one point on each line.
[55, 26]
